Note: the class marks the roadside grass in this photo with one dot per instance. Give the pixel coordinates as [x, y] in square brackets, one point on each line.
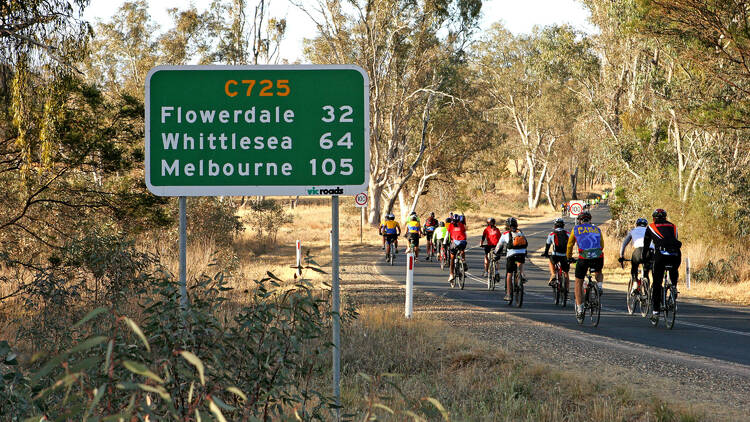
[474, 379]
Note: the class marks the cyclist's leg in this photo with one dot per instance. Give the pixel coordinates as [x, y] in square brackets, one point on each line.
[582, 269]
[598, 264]
[674, 272]
[510, 268]
[452, 256]
[521, 259]
[486, 258]
[551, 269]
[565, 267]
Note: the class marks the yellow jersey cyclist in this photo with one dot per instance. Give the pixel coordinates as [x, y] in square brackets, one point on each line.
[413, 230]
[390, 232]
[590, 255]
[439, 235]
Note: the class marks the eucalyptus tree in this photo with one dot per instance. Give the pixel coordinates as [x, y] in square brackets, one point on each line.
[404, 47]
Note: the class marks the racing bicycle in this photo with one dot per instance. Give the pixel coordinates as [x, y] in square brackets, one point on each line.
[459, 274]
[516, 291]
[592, 305]
[668, 300]
[639, 291]
[390, 251]
[559, 292]
[493, 271]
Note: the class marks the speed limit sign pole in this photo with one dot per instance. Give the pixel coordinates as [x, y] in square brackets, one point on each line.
[360, 200]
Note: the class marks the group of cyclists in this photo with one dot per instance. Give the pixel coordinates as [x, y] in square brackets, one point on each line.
[656, 247]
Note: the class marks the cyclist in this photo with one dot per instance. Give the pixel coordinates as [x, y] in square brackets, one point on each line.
[414, 214]
[490, 237]
[558, 238]
[666, 252]
[391, 230]
[515, 243]
[439, 235]
[429, 228]
[563, 209]
[413, 229]
[457, 238]
[638, 257]
[590, 255]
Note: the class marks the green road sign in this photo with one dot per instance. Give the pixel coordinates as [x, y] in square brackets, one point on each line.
[257, 130]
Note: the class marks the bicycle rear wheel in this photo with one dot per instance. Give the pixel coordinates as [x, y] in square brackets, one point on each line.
[518, 287]
[670, 307]
[644, 296]
[460, 274]
[594, 305]
[632, 298]
[442, 259]
[491, 275]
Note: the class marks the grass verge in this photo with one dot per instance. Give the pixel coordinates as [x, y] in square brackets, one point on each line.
[473, 379]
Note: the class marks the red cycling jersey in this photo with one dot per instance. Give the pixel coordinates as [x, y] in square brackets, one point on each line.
[491, 235]
[457, 231]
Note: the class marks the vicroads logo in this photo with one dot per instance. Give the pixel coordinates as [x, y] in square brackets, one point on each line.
[325, 191]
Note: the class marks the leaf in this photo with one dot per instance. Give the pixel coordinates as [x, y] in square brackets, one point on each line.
[140, 369]
[47, 368]
[195, 361]
[317, 270]
[156, 389]
[197, 416]
[216, 411]
[89, 316]
[190, 392]
[10, 359]
[87, 344]
[270, 274]
[108, 358]
[236, 391]
[221, 404]
[137, 330]
[439, 407]
[97, 397]
[384, 407]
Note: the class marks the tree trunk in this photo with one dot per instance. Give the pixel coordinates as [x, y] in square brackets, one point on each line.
[574, 184]
[375, 192]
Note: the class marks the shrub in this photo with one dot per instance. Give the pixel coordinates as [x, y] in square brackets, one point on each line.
[213, 218]
[218, 358]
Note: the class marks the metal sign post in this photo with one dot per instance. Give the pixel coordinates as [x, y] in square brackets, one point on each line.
[360, 201]
[336, 303]
[183, 253]
[409, 284]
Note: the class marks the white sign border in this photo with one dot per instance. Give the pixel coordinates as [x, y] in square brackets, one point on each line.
[250, 190]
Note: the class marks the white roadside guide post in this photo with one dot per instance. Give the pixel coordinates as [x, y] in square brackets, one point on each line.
[299, 258]
[284, 106]
[409, 284]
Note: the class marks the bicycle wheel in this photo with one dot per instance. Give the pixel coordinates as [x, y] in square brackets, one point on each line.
[460, 273]
[630, 297]
[455, 273]
[490, 275]
[594, 305]
[518, 289]
[645, 297]
[564, 297]
[669, 306]
[511, 293]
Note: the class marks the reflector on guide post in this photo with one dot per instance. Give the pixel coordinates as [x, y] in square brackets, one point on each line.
[409, 284]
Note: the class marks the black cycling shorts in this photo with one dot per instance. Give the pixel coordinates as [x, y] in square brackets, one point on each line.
[564, 264]
[583, 265]
[488, 249]
[510, 262]
[414, 238]
[391, 238]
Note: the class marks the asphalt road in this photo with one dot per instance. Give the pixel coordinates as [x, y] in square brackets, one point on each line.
[718, 332]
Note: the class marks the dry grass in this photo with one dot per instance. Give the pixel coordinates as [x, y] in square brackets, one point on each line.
[474, 379]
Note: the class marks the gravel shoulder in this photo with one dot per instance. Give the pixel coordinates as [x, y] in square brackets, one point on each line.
[721, 388]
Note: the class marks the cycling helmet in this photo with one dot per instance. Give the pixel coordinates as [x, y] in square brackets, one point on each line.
[584, 216]
[413, 217]
[659, 214]
[390, 217]
[448, 220]
[462, 218]
[511, 222]
[559, 222]
[491, 221]
[413, 213]
[432, 214]
[442, 224]
[642, 222]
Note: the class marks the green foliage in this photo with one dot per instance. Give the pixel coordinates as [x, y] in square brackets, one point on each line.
[721, 271]
[212, 218]
[266, 218]
[257, 361]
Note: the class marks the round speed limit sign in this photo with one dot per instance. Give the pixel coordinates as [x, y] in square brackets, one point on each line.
[360, 200]
[576, 208]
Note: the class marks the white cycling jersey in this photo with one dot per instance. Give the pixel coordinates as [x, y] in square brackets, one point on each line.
[636, 236]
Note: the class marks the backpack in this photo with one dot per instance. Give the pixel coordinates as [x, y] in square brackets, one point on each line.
[517, 240]
[561, 241]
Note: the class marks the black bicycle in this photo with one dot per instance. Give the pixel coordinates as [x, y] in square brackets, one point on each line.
[459, 274]
[559, 291]
[668, 300]
[516, 291]
[493, 271]
[592, 305]
[390, 251]
[639, 292]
